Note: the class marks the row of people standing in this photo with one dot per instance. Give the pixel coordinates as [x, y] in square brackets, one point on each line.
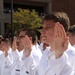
[55, 26]
[57, 59]
[23, 57]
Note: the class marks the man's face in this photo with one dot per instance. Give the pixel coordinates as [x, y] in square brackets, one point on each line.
[71, 38]
[48, 32]
[21, 37]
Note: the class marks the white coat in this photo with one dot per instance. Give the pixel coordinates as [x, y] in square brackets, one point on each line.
[36, 53]
[5, 63]
[71, 55]
[51, 66]
[5, 66]
[26, 66]
[15, 55]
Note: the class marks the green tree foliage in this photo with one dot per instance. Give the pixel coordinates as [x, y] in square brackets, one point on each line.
[24, 18]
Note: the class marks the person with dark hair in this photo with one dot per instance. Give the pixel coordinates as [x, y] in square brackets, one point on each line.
[71, 35]
[71, 47]
[60, 17]
[30, 55]
[36, 53]
[6, 57]
[55, 26]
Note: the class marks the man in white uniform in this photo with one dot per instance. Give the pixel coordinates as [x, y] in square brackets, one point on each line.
[71, 48]
[6, 58]
[24, 65]
[36, 53]
[55, 61]
[71, 35]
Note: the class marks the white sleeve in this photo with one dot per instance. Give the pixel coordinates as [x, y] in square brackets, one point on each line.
[15, 55]
[62, 66]
[5, 66]
[67, 70]
[1, 60]
[30, 64]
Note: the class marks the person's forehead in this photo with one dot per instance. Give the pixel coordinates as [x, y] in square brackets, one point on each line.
[22, 33]
[49, 23]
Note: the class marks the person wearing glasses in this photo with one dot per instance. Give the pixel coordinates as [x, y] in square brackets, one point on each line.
[36, 53]
[31, 55]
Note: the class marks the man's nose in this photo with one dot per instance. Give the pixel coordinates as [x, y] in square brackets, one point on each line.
[43, 31]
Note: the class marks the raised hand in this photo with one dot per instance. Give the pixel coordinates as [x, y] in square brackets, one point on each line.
[5, 48]
[14, 45]
[27, 45]
[60, 43]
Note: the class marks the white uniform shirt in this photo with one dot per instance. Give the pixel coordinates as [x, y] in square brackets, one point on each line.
[26, 66]
[5, 63]
[1, 55]
[5, 66]
[71, 55]
[16, 55]
[49, 65]
[41, 46]
[36, 53]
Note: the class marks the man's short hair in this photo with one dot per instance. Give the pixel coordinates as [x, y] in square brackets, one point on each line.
[72, 29]
[30, 33]
[60, 17]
